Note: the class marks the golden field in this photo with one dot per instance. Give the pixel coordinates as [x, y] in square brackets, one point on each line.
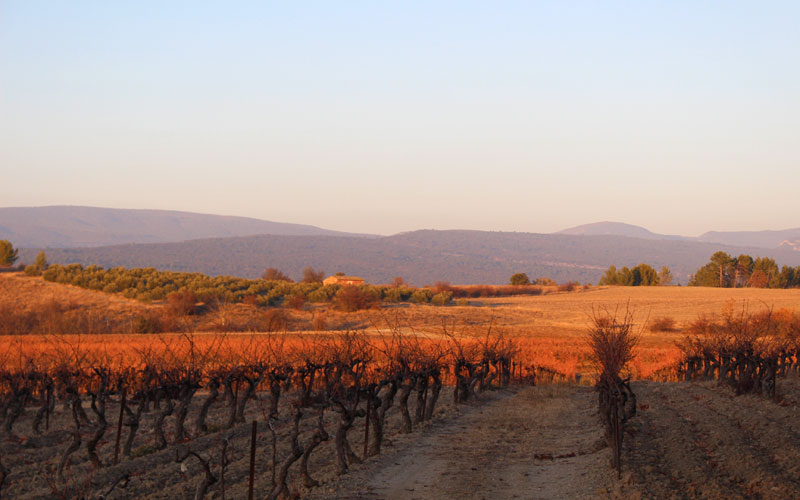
[549, 329]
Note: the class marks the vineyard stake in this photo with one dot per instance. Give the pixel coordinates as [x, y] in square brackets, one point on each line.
[47, 413]
[252, 460]
[222, 465]
[366, 428]
[119, 428]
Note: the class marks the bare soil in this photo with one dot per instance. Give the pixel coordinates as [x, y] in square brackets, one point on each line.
[538, 443]
[698, 440]
[689, 440]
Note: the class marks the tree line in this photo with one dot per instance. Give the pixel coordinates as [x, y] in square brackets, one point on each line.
[641, 275]
[726, 271]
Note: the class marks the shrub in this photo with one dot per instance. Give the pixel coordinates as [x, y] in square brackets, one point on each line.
[149, 322]
[398, 294]
[352, 298]
[295, 301]
[312, 276]
[319, 323]
[274, 320]
[704, 324]
[475, 291]
[567, 287]
[273, 274]
[442, 286]
[181, 303]
[324, 293]
[421, 296]
[612, 342]
[519, 279]
[224, 318]
[462, 302]
[663, 324]
[442, 298]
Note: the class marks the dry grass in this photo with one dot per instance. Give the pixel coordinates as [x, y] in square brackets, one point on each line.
[549, 328]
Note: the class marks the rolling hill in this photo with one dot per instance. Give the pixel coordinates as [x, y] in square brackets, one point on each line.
[755, 239]
[617, 229]
[765, 239]
[73, 226]
[421, 257]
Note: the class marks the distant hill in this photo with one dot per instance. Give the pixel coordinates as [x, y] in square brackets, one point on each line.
[421, 257]
[617, 229]
[755, 239]
[73, 226]
[765, 239]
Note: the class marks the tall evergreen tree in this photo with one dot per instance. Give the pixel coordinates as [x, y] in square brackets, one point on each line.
[787, 277]
[644, 275]
[717, 273]
[743, 268]
[8, 254]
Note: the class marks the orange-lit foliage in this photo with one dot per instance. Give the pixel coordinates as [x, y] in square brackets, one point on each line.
[570, 358]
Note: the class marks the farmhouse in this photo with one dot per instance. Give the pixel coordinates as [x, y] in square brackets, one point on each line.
[343, 280]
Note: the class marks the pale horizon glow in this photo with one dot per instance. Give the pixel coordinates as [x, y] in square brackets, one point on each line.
[681, 117]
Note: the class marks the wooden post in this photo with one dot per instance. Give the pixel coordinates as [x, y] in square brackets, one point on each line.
[47, 412]
[253, 436]
[222, 465]
[366, 428]
[119, 427]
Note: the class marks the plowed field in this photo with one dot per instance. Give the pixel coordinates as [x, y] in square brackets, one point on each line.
[698, 440]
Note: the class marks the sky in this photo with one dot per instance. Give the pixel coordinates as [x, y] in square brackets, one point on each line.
[383, 117]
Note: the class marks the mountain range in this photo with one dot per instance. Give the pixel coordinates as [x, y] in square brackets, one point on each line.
[72, 226]
[760, 239]
[240, 246]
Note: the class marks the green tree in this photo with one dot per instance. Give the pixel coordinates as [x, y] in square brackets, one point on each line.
[41, 261]
[625, 277]
[519, 279]
[641, 275]
[743, 268]
[39, 266]
[644, 275]
[787, 277]
[717, 273]
[8, 254]
[610, 277]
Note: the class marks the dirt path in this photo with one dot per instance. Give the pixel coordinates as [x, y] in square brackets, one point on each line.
[497, 450]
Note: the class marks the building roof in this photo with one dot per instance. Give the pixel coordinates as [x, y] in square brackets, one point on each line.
[344, 278]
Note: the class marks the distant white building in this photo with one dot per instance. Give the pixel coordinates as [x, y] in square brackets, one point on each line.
[343, 280]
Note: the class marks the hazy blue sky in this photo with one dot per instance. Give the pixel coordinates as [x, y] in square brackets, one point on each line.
[385, 117]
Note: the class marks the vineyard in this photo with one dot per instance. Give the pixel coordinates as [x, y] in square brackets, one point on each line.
[81, 423]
